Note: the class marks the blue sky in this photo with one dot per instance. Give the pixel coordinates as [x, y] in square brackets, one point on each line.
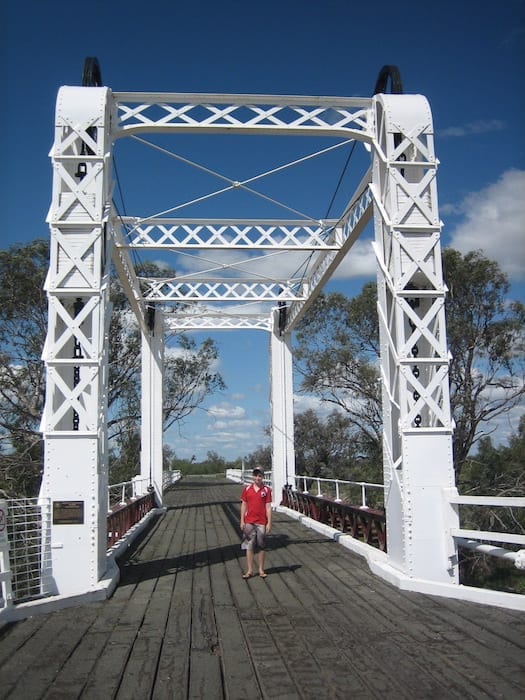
[466, 57]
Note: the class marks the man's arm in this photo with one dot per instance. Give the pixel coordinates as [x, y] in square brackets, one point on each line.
[243, 513]
[268, 517]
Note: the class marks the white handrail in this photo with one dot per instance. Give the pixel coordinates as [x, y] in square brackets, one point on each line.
[336, 483]
[508, 501]
[477, 539]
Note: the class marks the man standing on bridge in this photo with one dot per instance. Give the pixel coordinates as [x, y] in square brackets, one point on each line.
[256, 520]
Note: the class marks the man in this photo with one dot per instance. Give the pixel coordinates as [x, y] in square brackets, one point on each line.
[256, 520]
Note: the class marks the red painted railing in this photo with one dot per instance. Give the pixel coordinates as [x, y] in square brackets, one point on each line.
[123, 516]
[365, 524]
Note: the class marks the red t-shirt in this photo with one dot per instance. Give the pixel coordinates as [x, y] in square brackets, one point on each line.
[256, 504]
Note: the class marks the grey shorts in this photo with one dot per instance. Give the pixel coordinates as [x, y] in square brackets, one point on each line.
[253, 536]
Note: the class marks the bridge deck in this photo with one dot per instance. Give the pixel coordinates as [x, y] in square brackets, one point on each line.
[184, 624]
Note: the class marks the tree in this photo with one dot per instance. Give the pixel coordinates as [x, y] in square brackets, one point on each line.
[485, 336]
[496, 470]
[337, 348]
[323, 448]
[261, 457]
[23, 327]
[188, 378]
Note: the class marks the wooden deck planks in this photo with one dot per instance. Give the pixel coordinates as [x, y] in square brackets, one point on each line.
[184, 624]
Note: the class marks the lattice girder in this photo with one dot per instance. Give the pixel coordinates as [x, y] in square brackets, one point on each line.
[75, 352]
[221, 290]
[217, 321]
[77, 398]
[348, 117]
[289, 235]
[346, 233]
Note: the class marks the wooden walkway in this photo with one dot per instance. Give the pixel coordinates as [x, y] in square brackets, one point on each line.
[184, 624]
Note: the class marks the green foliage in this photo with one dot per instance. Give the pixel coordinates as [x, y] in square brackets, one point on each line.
[486, 340]
[213, 464]
[188, 378]
[23, 327]
[337, 355]
[261, 457]
[125, 457]
[328, 448]
[494, 471]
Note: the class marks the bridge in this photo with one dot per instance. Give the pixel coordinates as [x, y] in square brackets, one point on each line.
[422, 529]
[183, 623]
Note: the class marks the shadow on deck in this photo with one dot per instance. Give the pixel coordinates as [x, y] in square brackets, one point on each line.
[184, 624]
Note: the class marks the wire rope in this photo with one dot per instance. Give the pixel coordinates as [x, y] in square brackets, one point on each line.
[234, 184]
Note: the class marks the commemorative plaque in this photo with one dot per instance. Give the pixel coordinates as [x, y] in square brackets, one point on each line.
[68, 512]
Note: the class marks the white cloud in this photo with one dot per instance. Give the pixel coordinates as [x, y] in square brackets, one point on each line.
[360, 261]
[494, 221]
[226, 411]
[481, 126]
[228, 425]
[305, 402]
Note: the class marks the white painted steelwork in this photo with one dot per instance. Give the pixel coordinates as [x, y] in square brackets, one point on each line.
[334, 488]
[417, 423]
[228, 234]
[86, 233]
[74, 422]
[350, 117]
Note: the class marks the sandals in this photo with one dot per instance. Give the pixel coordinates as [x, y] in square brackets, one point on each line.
[247, 575]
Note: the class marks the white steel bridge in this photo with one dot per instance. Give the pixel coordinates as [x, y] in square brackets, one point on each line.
[398, 190]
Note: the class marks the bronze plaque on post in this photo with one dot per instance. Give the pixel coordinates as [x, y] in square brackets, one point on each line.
[68, 512]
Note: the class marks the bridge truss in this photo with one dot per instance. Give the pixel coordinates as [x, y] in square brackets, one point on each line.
[236, 288]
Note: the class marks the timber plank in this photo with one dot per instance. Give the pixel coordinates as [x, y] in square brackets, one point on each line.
[174, 656]
[364, 654]
[371, 664]
[35, 670]
[13, 636]
[205, 676]
[270, 669]
[238, 675]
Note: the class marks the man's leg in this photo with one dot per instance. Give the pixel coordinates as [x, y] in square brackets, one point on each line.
[249, 562]
[261, 532]
[261, 562]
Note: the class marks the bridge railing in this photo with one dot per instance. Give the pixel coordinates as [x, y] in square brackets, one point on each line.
[130, 501]
[24, 549]
[352, 507]
[170, 478]
[488, 541]
[339, 490]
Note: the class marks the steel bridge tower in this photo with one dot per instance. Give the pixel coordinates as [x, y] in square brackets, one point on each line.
[87, 236]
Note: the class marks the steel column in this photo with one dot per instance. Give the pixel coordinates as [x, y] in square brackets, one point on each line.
[418, 465]
[151, 403]
[74, 418]
[281, 389]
